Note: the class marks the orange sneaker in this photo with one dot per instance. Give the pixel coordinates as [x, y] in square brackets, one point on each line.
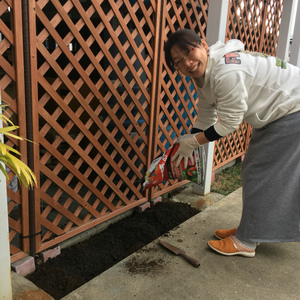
[224, 233]
[230, 246]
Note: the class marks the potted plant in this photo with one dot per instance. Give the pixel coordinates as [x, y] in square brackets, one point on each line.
[22, 171]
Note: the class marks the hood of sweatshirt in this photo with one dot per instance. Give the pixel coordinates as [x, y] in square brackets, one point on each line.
[217, 51]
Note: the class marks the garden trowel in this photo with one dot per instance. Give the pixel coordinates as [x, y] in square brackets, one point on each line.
[180, 252]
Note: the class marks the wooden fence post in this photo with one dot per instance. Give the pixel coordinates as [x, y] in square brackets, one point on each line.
[216, 28]
[285, 31]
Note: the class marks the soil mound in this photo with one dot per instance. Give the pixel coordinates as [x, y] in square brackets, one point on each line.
[82, 262]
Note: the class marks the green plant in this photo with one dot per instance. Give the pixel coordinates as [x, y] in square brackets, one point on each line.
[22, 171]
[228, 180]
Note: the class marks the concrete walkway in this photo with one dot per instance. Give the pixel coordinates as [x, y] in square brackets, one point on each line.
[155, 273]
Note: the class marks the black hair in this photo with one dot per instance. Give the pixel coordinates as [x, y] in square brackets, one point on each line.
[182, 38]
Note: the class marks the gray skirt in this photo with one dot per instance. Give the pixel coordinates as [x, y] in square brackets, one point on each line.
[271, 183]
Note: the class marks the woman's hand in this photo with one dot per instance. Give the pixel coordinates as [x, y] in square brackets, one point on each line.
[187, 144]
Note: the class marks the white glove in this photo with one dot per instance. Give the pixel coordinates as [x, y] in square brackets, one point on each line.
[187, 144]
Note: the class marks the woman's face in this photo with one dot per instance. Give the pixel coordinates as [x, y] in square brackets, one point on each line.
[191, 62]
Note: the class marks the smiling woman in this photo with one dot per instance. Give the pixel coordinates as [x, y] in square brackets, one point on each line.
[234, 85]
[186, 52]
[188, 57]
[191, 62]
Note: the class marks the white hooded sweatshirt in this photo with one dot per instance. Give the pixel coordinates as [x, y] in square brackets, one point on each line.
[239, 85]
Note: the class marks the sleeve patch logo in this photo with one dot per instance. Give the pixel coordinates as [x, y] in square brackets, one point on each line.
[232, 58]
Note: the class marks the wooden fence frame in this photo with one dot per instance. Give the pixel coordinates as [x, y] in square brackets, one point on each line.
[167, 17]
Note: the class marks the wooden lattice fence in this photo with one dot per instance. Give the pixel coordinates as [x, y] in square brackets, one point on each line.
[87, 82]
[12, 85]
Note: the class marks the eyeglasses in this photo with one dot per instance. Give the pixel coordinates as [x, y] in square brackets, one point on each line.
[189, 55]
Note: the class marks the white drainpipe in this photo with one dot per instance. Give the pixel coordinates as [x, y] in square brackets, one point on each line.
[5, 275]
[216, 29]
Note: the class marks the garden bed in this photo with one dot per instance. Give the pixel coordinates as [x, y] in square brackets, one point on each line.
[82, 262]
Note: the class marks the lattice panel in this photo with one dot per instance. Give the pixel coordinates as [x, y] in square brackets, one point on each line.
[94, 60]
[12, 90]
[94, 78]
[255, 23]
[232, 146]
[273, 11]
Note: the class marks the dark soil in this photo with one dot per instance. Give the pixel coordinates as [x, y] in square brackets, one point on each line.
[82, 262]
